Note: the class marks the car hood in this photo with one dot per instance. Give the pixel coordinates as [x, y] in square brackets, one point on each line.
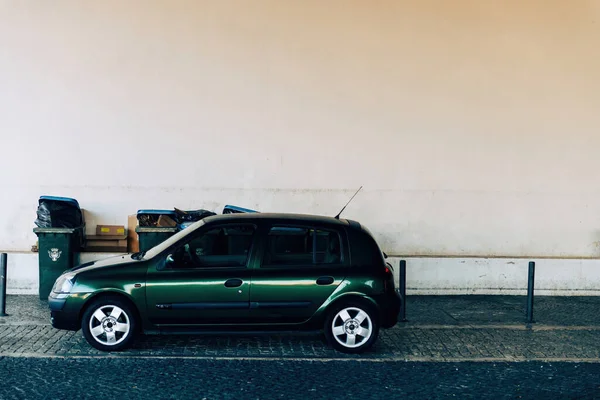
[106, 263]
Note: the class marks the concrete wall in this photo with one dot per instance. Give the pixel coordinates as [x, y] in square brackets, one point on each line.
[473, 125]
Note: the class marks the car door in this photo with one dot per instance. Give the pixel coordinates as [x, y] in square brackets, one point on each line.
[300, 268]
[205, 279]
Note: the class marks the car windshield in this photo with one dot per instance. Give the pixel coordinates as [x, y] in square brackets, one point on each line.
[159, 248]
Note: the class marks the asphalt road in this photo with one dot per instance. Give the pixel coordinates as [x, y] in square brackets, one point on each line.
[179, 378]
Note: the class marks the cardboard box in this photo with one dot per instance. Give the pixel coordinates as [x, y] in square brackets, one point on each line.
[110, 230]
[133, 242]
[116, 244]
[164, 221]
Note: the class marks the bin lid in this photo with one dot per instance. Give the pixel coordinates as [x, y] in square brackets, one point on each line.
[63, 199]
[156, 212]
[54, 230]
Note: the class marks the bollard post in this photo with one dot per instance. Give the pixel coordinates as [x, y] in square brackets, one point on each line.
[530, 284]
[403, 290]
[3, 266]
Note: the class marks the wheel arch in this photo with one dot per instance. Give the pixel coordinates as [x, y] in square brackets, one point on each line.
[347, 298]
[112, 294]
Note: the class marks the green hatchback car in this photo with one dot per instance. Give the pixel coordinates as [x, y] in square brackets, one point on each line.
[255, 272]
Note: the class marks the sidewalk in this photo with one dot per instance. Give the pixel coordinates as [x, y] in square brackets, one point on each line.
[439, 328]
[502, 310]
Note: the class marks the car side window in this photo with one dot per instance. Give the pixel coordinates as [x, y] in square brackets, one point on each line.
[224, 246]
[300, 246]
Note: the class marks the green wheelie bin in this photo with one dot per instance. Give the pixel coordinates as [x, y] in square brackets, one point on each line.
[59, 250]
[151, 236]
[58, 244]
[148, 233]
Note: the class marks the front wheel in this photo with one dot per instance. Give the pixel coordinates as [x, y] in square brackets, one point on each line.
[352, 328]
[109, 324]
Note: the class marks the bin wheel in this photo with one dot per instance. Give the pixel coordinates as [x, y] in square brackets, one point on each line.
[109, 324]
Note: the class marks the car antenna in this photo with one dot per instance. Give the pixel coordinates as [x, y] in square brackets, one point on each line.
[338, 216]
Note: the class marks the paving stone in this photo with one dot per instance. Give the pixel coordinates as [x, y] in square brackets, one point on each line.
[475, 333]
[123, 377]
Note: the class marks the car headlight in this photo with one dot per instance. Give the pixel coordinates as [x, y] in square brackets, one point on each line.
[64, 283]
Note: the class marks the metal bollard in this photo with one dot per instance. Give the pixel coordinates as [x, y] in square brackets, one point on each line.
[403, 291]
[3, 265]
[530, 282]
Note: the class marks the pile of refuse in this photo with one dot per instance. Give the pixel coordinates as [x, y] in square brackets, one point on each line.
[179, 218]
[64, 212]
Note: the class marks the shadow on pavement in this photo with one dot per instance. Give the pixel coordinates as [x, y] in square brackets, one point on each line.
[501, 310]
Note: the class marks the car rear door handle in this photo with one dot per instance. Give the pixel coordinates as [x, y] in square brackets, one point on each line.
[233, 282]
[325, 280]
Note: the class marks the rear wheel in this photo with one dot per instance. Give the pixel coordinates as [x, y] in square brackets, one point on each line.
[352, 327]
[109, 324]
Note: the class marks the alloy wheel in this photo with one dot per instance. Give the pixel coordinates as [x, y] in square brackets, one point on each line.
[352, 327]
[109, 325]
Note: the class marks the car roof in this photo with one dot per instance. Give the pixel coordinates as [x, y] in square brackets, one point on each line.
[278, 217]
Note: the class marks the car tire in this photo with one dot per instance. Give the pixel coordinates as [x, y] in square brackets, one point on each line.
[352, 327]
[109, 324]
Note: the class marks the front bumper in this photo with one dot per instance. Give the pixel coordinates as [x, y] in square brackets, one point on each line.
[56, 304]
[63, 313]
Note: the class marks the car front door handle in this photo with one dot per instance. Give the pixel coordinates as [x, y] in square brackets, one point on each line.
[325, 280]
[233, 282]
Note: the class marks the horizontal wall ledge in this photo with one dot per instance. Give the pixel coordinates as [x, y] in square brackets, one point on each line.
[424, 275]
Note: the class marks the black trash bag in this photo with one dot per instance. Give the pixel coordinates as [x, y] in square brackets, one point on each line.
[58, 214]
[191, 216]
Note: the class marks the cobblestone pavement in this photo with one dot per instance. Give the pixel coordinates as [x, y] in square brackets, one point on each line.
[452, 346]
[507, 310]
[452, 328]
[177, 378]
[397, 344]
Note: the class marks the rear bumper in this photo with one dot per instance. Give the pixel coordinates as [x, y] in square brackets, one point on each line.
[389, 305]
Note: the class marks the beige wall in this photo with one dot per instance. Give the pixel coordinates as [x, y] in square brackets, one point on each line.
[473, 125]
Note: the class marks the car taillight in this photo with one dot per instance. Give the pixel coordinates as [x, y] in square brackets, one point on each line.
[388, 281]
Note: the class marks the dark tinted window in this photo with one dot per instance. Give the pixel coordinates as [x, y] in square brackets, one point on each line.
[302, 246]
[227, 246]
